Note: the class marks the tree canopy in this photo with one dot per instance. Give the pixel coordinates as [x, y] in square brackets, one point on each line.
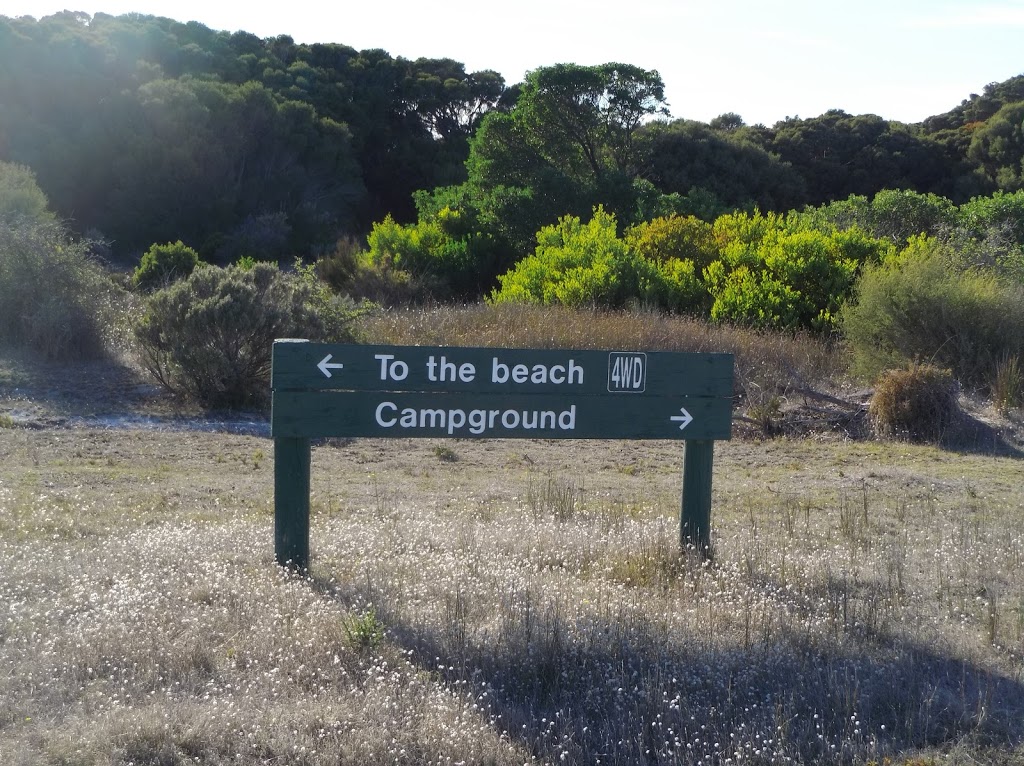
[145, 129]
[140, 130]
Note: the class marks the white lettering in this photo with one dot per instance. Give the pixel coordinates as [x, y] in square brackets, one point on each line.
[499, 371]
[397, 370]
[379, 414]
[447, 369]
[539, 374]
[436, 418]
[477, 421]
[456, 419]
[575, 371]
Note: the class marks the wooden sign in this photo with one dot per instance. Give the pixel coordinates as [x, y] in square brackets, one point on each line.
[322, 390]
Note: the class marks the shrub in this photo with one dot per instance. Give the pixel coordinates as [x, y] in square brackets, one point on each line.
[54, 298]
[674, 237]
[577, 265]
[1002, 209]
[679, 248]
[919, 307]
[336, 313]
[350, 270]
[677, 287]
[260, 237]
[442, 251]
[918, 403]
[163, 264]
[773, 277]
[990, 234]
[895, 215]
[21, 199]
[210, 336]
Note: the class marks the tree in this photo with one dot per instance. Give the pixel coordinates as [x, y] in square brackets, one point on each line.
[998, 147]
[203, 134]
[450, 101]
[684, 156]
[567, 145]
[727, 122]
[840, 154]
[582, 119]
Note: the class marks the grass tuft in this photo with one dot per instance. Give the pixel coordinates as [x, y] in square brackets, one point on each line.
[918, 403]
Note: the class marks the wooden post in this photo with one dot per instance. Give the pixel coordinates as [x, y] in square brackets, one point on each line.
[695, 520]
[291, 502]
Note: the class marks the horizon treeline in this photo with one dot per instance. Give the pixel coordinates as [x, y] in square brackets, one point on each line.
[142, 129]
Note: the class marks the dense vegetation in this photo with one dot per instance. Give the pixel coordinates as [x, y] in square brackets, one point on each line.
[143, 129]
[147, 130]
[170, 148]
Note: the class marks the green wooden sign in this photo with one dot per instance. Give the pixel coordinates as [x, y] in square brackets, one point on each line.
[322, 390]
[415, 392]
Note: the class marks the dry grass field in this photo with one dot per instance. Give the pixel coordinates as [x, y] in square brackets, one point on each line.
[502, 602]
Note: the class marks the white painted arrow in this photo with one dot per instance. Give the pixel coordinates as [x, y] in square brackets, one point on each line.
[326, 365]
[684, 420]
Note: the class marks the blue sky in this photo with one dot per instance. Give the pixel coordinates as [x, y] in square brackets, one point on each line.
[901, 59]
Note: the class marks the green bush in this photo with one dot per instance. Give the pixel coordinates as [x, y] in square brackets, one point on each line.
[676, 286]
[21, 199]
[918, 403]
[990, 235]
[55, 299]
[895, 215]
[210, 336]
[920, 307]
[756, 298]
[577, 264]
[163, 264]
[1002, 209]
[442, 252]
[674, 236]
[350, 270]
[773, 276]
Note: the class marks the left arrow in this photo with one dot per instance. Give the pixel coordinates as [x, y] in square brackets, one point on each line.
[684, 419]
[326, 365]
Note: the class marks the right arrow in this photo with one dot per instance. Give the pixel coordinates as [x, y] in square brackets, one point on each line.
[684, 420]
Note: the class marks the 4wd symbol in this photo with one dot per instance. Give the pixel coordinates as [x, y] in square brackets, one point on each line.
[627, 372]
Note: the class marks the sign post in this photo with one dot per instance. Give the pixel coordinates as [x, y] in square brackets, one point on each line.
[322, 390]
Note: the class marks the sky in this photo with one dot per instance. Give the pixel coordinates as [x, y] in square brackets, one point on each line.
[762, 59]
